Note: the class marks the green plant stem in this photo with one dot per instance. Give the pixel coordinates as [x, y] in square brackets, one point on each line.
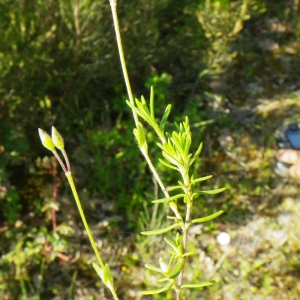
[113, 4]
[114, 294]
[155, 174]
[184, 242]
[86, 226]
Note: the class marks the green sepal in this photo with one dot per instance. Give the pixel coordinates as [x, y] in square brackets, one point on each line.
[108, 279]
[199, 285]
[177, 268]
[211, 192]
[201, 179]
[158, 291]
[105, 275]
[161, 231]
[165, 200]
[99, 271]
[208, 218]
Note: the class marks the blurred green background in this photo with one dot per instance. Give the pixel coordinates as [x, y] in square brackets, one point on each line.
[231, 66]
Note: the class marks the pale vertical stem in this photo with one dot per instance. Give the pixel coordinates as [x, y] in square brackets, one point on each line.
[113, 4]
[86, 226]
[155, 174]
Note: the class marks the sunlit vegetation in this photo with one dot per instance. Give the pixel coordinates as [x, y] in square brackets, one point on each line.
[231, 66]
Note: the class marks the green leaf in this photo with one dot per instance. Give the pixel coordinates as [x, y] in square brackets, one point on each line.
[172, 188]
[199, 285]
[197, 153]
[191, 253]
[152, 103]
[165, 117]
[168, 165]
[177, 269]
[211, 192]
[158, 291]
[164, 200]
[208, 218]
[164, 280]
[141, 138]
[137, 111]
[172, 244]
[154, 269]
[201, 179]
[161, 231]
[171, 159]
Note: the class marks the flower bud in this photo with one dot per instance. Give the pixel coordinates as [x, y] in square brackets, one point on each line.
[163, 265]
[46, 140]
[57, 139]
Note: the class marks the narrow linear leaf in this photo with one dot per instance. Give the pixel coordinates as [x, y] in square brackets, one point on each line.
[177, 268]
[199, 285]
[211, 192]
[172, 188]
[168, 165]
[163, 200]
[172, 244]
[191, 253]
[154, 269]
[201, 179]
[152, 103]
[164, 280]
[187, 145]
[161, 231]
[138, 112]
[165, 117]
[197, 153]
[171, 159]
[158, 291]
[208, 218]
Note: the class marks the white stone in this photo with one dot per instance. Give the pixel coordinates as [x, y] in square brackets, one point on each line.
[223, 238]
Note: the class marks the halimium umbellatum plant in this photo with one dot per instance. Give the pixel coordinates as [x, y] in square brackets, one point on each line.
[176, 155]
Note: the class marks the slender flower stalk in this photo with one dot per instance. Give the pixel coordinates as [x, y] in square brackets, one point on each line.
[57, 141]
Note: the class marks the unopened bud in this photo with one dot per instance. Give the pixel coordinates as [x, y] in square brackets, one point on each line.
[57, 139]
[46, 140]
